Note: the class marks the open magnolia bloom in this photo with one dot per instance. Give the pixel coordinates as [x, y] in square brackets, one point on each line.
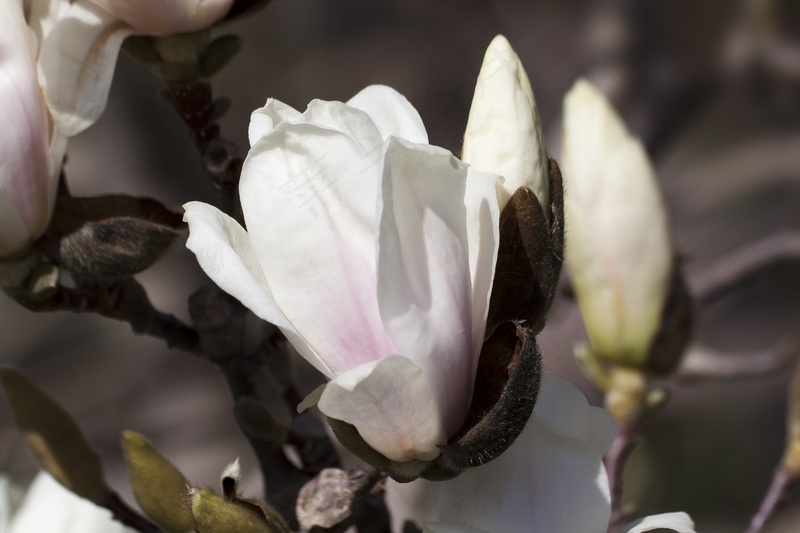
[374, 252]
[31, 149]
[47, 506]
[619, 250]
[81, 41]
[551, 480]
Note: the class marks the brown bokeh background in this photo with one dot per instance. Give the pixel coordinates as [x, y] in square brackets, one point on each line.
[712, 87]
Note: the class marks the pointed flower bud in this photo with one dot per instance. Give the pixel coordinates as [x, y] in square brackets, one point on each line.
[619, 249]
[504, 133]
[54, 437]
[158, 486]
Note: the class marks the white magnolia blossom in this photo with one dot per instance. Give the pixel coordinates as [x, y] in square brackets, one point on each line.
[551, 480]
[374, 253]
[80, 48]
[618, 245]
[504, 133]
[49, 507]
[31, 149]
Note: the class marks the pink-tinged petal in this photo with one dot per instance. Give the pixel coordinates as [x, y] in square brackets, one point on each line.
[679, 522]
[424, 285]
[166, 17]
[14, 233]
[391, 405]
[225, 253]
[483, 238]
[551, 479]
[76, 65]
[24, 140]
[309, 194]
[504, 133]
[392, 112]
[264, 119]
[50, 507]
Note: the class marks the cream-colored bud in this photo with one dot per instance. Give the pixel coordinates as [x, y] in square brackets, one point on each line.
[618, 245]
[504, 134]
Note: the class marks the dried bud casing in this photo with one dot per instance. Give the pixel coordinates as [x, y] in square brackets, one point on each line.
[158, 486]
[54, 437]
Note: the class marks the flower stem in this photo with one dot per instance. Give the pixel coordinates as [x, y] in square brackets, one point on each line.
[782, 481]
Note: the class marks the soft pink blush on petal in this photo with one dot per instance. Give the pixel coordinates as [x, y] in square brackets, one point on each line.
[166, 17]
[309, 196]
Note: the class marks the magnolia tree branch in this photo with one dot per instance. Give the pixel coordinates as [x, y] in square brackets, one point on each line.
[739, 266]
[615, 460]
[124, 514]
[702, 362]
[782, 481]
[124, 300]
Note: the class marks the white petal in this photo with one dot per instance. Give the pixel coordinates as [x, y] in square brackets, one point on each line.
[264, 119]
[546, 481]
[504, 133]
[6, 504]
[309, 196]
[225, 253]
[679, 522]
[14, 234]
[50, 507]
[483, 236]
[350, 121]
[619, 251]
[76, 65]
[392, 113]
[424, 285]
[409, 502]
[390, 404]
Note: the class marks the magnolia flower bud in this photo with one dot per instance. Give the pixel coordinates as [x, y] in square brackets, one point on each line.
[30, 159]
[504, 134]
[619, 246]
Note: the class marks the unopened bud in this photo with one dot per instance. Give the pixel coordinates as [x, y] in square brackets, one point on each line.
[54, 437]
[158, 486]
[215, 514]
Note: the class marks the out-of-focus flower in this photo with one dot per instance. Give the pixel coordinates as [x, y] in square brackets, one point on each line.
[47, 506]
[373, 251]
[30, 148]
[551, 480]
[160, 17]
[79, 49]
[619, 250]
[504, 134]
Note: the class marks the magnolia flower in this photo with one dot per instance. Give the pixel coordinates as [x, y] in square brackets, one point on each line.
[551, 480]
[30, 148]
[47, 506]
[79, 50]
[619, 246]
[374, 253]
[504, 134]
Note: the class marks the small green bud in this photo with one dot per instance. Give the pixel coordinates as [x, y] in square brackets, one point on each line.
[158, 486]
[54, 437]
[214, 514]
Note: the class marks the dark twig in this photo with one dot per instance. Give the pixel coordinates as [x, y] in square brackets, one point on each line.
[124, 300]
[782, 481]
[124, 514]
[739, 266]
[701, 362]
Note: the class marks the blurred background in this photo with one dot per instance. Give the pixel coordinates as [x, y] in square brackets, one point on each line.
[713, 88]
